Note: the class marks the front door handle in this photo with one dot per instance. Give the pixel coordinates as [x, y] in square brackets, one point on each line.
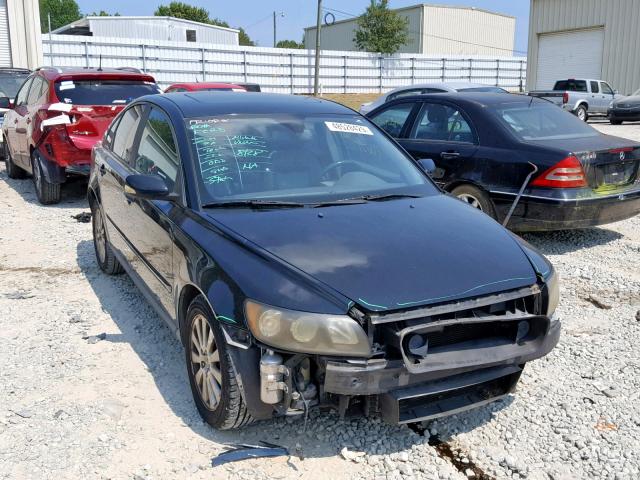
[102, 169]
[449, 155]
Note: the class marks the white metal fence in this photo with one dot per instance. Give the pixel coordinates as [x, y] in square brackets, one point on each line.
[281, 70]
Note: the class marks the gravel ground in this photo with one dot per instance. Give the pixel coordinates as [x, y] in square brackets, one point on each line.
[93, 385]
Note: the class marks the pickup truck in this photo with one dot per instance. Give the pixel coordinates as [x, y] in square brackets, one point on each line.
[582, 97]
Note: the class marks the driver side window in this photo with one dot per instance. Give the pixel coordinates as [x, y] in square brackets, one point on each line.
[442, 123]
[157, 152]
[392, 119]
[21, 97]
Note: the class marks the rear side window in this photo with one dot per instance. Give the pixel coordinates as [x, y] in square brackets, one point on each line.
[102, 91]
[443, 123]
[157, 153]
[125, 133]
[571, 85]
[594, 87]
[38, 87]
[392, 119]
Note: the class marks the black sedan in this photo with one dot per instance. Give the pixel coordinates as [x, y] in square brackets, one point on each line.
[625, 109]
[303, 258]
[504, 152]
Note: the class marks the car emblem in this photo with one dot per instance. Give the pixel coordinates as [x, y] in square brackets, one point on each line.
[621, 155]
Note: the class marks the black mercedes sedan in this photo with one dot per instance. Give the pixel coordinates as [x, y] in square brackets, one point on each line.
[521, 160]
[304, 259]
[625, 109]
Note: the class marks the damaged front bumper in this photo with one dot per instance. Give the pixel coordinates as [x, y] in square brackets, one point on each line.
[449, 358]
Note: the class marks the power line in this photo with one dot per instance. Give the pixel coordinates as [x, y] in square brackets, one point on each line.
[353, 15]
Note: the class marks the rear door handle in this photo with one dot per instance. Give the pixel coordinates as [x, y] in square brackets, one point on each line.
[449, 155]
[28, 121]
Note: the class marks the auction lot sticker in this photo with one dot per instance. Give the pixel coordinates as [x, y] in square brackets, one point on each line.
[348, 128]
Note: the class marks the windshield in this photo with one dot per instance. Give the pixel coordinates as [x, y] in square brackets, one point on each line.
[636, 93]
[9, 84]
[541, 121]
[102, 92]
[299, 158]
[483, 89]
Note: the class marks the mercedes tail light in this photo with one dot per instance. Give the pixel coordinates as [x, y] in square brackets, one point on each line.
[567, 173]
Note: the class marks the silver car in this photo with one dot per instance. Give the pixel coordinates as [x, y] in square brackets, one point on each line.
[423, 88]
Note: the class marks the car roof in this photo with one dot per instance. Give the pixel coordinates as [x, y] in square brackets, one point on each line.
[204, 104]
[53, 73]
[480, 99]
[203, 85]
[450, 86]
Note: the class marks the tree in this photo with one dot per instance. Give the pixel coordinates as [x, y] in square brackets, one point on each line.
[184, 11]
[102, 13]
[380, 29]
[197, 14]
[289, 44]
[62, 12]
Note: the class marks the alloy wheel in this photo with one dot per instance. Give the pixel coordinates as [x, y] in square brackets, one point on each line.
[471, 200]
[582, 114]
[205, 362]
[99, 236]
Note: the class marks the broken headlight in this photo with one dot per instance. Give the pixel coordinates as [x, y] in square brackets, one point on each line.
[307, 332]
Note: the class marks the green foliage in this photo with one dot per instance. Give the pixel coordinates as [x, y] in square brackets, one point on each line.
[102, 13]
[381, 30]
[197, 14]
[184, 11]
[62, 13]
[289, 44]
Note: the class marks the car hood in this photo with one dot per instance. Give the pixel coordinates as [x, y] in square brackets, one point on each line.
[633, 100]
[390, 255]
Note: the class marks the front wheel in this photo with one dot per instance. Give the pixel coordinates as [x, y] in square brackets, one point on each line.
[476, 198]
[616, 122]
[581, 113]
[211, 373]
[47, 192]
[13, 171]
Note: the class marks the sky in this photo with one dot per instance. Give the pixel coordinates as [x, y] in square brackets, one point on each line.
[256, 16]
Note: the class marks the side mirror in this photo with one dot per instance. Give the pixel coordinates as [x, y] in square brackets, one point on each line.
[5, 102]
[150, 187]
[428, 165]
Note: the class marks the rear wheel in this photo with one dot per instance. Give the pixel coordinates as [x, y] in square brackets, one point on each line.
[107, 261]
[13, 171]
[211, 372]
[581, 113]
[616, 122]
[47, 192]
[476, 198]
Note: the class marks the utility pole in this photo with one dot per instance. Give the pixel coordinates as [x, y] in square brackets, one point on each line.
[316, 80]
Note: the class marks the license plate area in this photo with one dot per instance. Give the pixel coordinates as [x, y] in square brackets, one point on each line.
[616, 174]
[472, 342]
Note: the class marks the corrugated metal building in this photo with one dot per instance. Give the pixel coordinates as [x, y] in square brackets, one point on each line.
[434, 30]
[584, 38]
[20, 41]
[151, 28]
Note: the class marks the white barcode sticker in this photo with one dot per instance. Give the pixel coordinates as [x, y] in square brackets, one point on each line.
[348, 128]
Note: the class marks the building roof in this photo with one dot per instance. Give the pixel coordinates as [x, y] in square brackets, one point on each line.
[421, 5]
[81, 27]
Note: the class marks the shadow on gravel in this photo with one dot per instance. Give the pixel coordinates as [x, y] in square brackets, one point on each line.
[74, 191]
[162, 354]
[566, 241]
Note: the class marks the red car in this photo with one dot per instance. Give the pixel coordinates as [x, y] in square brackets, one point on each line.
[58, 115]
[205, 87]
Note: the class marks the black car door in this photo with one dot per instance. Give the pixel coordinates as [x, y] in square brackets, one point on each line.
[145, 224]
[441, 131]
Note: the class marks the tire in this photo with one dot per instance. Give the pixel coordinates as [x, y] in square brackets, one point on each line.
[616, 122]
[48, 193]
[107, 261]
[211, 372]
[581, 113]
[13, 171]
[476, 198]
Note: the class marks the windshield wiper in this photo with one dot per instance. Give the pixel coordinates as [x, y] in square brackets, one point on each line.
[253, 204]
[365, 199]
